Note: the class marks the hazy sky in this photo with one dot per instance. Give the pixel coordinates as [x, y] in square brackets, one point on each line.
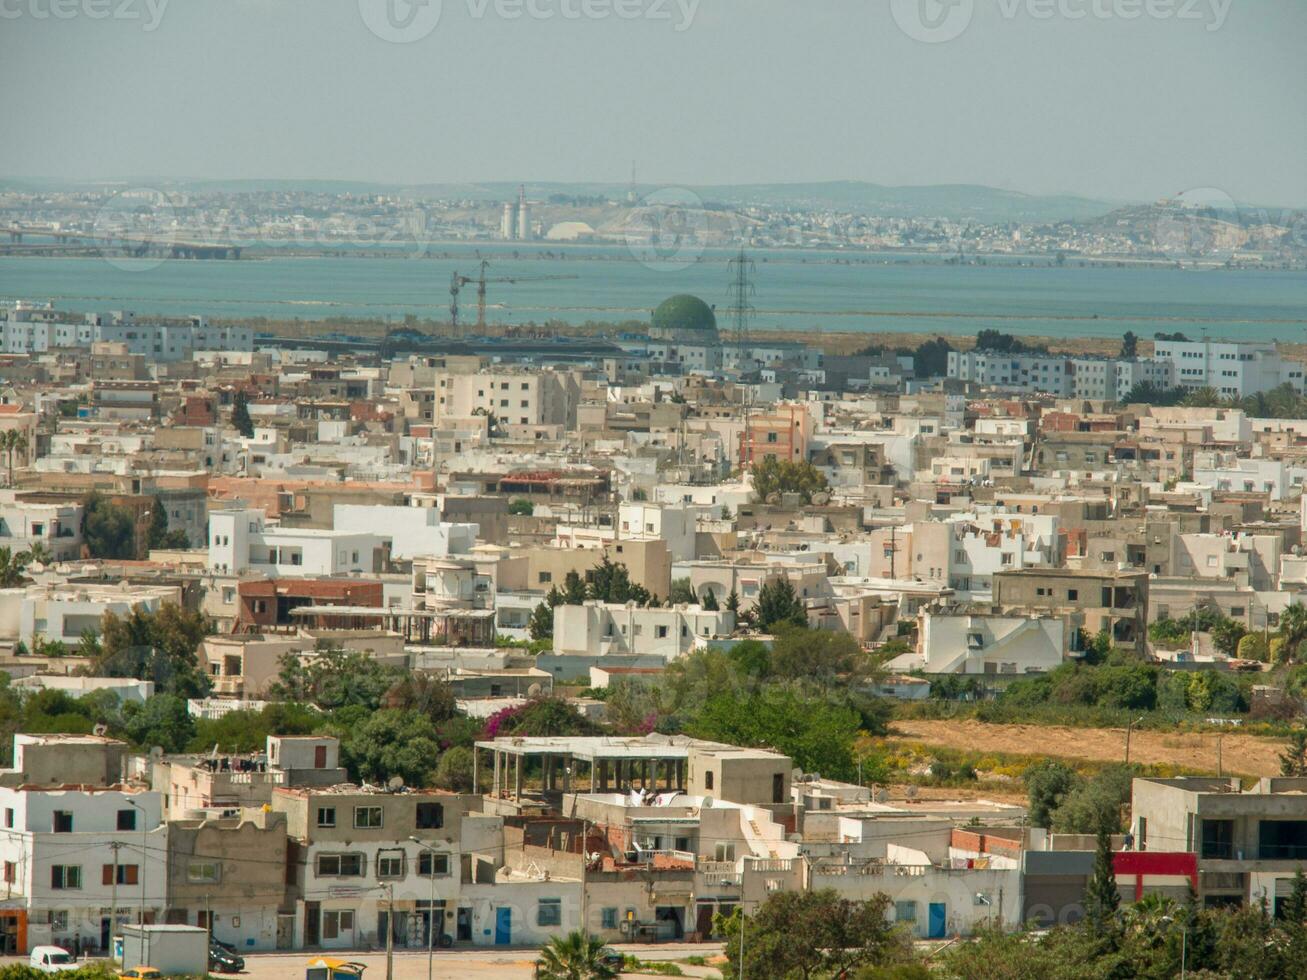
[1078, 96]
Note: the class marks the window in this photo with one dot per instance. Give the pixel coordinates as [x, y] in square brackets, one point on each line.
[203, 872]
[62, 822]
[326, 816]
[127, 819]
[778, 788]
[608, 918]
[707, 779]
[340, 865]
[128, 874]
[11, 872]
[1073, 594]
[390, 864]
[367, 817]
[9, 816]
[64, 876]
[549, 912]
[905, 911]
[433, 865]
[337, 923]
[430, 816]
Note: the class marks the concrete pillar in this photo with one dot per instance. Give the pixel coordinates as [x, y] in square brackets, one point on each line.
[517, 780]
[476, 755]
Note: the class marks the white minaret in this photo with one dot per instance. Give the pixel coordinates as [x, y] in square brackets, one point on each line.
[523, 216]
[508, 223]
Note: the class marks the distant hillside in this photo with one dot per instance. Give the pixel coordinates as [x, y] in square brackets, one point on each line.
[960, 202]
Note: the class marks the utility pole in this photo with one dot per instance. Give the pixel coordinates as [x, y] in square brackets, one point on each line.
[585, 861]
[390, 932]
[113, 895]
[431, 903]
[743, 919]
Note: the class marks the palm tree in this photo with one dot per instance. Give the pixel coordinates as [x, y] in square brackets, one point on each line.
[9, 442]
[1293, 627]
[37, 554]
[576, 956]
[11, 568]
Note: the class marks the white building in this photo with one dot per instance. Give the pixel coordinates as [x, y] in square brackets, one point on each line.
[1235, 370]
[64, 612]
[609, 628]
[675, 524]
[241, 541]
[962, 643]
[1067, 377]
[29, 329]
[411, 531]
[25, 522]
[71, 855]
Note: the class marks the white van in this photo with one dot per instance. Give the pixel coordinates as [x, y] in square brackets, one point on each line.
[52, 959]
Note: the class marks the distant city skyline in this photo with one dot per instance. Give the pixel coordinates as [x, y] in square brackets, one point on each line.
[1095, 100]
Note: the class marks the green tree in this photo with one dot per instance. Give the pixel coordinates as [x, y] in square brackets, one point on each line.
[1095, 803]
[1102, 897]
[573, 590]
[240, 415]
[157, 646]
[710, 602]
[778, 604]
[611, 582]
[802, 934]
[541, 624]
[390, 743]
[1048, 784]
[1293, 760]
[576, 956]
[107, 529]
[13, 441]
[682, 592]
[817, 655]
[778, 476]
[454, 770]
[332, 679]
[158, 535]
[521, 508]
[160, 720]
[1293, 626]
[733, 602]
[1129, 345]
[13, 568]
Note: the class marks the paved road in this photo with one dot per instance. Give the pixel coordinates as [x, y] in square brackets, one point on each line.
[480, 964]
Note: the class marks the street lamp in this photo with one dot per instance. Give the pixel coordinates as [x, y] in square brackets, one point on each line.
[431, 904]
[144, 843]
[1128, 729]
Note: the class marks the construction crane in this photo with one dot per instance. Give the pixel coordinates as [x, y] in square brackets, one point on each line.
[481, 281]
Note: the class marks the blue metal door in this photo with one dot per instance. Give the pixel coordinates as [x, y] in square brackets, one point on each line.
[503, 927]
[938, 921]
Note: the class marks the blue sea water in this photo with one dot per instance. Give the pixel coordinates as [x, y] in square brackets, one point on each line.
[794, 290]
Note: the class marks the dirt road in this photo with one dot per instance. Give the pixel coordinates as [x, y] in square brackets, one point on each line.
[1243, 755]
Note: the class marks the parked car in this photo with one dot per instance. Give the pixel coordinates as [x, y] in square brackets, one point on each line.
[224, 958]
[52, 959]
[141, 973]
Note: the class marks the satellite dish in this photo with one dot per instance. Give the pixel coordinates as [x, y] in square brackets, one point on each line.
[820, 499]
[533, 691]
[910, 792]
[156, 752]
[882, 796]
[395, 783]
[707, 802]
[100, 729]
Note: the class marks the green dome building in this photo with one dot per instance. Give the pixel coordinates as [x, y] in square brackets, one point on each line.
[684, 319]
